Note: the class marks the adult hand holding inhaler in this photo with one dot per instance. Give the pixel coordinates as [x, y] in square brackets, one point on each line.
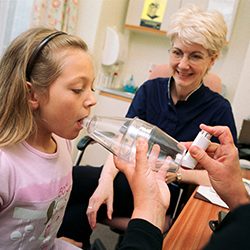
[202, 140]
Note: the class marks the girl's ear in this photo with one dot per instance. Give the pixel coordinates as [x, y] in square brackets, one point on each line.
[32, 97]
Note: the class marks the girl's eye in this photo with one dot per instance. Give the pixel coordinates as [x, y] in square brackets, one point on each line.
[77, 91]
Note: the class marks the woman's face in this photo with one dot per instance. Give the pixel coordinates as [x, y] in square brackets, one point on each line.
[70, 96]
[189, 64]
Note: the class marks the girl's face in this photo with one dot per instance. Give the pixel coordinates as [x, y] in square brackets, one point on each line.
[189, 64]
[70, 97]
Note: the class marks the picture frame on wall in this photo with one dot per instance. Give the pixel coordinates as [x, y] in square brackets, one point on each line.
[153, 13]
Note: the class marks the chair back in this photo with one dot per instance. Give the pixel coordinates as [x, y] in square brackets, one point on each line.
[211, 80]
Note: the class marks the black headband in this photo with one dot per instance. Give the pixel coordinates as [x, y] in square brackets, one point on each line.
[37, 51]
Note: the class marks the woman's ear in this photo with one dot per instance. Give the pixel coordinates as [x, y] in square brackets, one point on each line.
[213, 59]
[32, 97]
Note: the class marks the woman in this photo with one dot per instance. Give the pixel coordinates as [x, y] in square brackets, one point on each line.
[177, 105]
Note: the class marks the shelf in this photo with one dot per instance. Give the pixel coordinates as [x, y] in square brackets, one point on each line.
[145, 29]
[117, 94]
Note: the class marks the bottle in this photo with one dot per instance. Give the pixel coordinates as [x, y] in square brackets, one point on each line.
[114, 81]
[119, 134]
[130, 85]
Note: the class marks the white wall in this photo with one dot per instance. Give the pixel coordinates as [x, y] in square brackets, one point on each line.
[241, 102]
[144, 49]
[94, 17]
[88, 20]
[234, 58]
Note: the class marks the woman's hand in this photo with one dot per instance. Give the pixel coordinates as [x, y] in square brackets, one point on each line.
[102, 195]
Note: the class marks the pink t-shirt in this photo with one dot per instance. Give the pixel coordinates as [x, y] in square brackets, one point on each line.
[34, 190]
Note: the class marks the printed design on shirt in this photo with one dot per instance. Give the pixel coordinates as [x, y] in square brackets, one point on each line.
[41, 224]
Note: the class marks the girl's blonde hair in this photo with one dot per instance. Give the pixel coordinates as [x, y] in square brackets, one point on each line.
[16, 117]
[193, 25]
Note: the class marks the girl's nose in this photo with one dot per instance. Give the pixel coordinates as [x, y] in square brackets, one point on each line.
[91, 100]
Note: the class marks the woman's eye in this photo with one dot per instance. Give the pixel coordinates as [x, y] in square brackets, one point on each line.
[176, 52]
[196, 57]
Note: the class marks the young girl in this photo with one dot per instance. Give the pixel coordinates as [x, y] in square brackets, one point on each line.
[46, 79]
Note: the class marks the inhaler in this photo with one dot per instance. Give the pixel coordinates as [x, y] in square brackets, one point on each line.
[119, 135]
[202, 140]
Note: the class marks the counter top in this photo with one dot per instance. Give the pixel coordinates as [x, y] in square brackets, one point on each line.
[116, 93]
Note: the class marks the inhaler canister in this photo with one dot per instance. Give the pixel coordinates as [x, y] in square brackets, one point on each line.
[202, 140]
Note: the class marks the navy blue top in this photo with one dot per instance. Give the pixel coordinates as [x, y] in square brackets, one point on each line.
[153, 103]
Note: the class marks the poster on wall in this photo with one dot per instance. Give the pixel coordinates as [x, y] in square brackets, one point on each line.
[153, 13]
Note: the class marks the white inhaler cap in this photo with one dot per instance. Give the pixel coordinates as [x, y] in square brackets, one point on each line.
[202, 140]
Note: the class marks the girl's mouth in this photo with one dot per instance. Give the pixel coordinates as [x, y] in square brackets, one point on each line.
[80, 123]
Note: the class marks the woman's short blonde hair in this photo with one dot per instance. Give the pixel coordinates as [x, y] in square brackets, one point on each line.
[193, 25]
